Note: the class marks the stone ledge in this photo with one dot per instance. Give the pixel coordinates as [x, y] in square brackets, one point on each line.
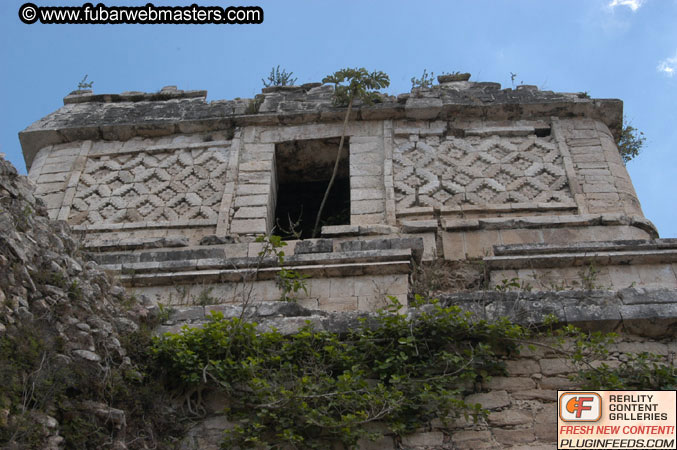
[105, 245]
[578, 247]
[358, 230]
[142, 225]
[509, 208]
[167, 93]
[86, 116]
[582, 220]
[212, 259]
[584, 258]
[316, 271]
[655, 317]
[595, 310]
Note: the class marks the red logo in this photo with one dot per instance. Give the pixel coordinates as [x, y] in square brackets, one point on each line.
[580, 407]
[577, 404]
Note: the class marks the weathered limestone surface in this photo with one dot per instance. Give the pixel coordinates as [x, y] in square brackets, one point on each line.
[463, 166]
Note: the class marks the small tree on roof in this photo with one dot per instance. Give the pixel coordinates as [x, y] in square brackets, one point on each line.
[349, 85]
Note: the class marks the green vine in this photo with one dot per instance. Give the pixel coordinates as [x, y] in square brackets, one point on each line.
[643, 370]
[316, 387]
[289, 281]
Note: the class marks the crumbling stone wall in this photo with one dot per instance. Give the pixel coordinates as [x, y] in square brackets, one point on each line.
[461, 166]
[522, 404]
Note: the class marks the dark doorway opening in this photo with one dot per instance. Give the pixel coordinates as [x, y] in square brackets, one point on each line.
[303, 170]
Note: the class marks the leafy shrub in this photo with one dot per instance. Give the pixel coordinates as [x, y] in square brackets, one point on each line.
[313, 387]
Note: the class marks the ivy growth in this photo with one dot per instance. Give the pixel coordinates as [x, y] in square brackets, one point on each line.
[644, 370]
[315, 387]
[289, 281]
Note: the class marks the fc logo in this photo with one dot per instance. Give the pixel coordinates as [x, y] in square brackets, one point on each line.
[580, 407]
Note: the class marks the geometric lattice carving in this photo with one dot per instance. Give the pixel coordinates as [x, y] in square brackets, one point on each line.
[151, 187]
[479, 171]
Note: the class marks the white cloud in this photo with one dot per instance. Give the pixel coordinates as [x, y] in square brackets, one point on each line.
[634, 5]
[668, 66]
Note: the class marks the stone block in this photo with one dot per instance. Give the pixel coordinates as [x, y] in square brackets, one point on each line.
[472, 439]
[510, 417]
[342, 287]
[314, 246]
[424, 439]
[255, 178]
[657, 275]
[545, 432]
[584, 142]
[417, 226]
[249, 226]
[510, 383]
[547, 414]
[372, 158]
[338, 304]
[367, 207]
[368, 170]
[382, 443]
[521, 236]
[251, 200]
[256, 166]
[252, 189]
[522, 367]
[53, 201]
[367, 219]
[236, 250]
[53, 177]
[598, 187]
[510, 437]
[320, 287]
[49, 188]
[367, 194]
[555, 366]
[598, 317]
[490, 400]
[657, 348]
[365, 182]
[564, 235]
[589, 157]
[429, 244]
[480, 243]
[536, 394]
[57, 167]
[460, 224]
[453, 245]
[251, 212]
[423, 108]
[556, 383]
[638, 296]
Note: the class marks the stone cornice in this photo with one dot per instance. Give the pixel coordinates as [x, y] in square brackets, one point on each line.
[86, 116]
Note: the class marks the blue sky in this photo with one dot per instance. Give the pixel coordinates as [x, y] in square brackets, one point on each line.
[623, 49]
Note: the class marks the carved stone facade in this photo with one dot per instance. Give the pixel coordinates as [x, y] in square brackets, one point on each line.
[151, 186]
[171, 190]
[497, 170]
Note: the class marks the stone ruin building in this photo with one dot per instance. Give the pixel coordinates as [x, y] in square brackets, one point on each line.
[170, 190]
[524, 187]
